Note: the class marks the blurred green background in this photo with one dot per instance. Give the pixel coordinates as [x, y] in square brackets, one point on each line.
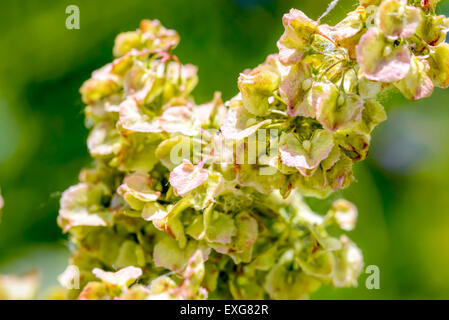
[402, 191]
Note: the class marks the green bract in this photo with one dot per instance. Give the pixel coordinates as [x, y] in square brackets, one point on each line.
[192, 201]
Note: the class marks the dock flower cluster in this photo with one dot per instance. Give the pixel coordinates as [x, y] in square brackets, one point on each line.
[161, 216]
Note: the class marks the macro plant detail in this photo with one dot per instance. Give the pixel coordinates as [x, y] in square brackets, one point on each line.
[161, 215]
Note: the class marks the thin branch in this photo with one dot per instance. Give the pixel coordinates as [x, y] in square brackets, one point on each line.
[330, 7]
